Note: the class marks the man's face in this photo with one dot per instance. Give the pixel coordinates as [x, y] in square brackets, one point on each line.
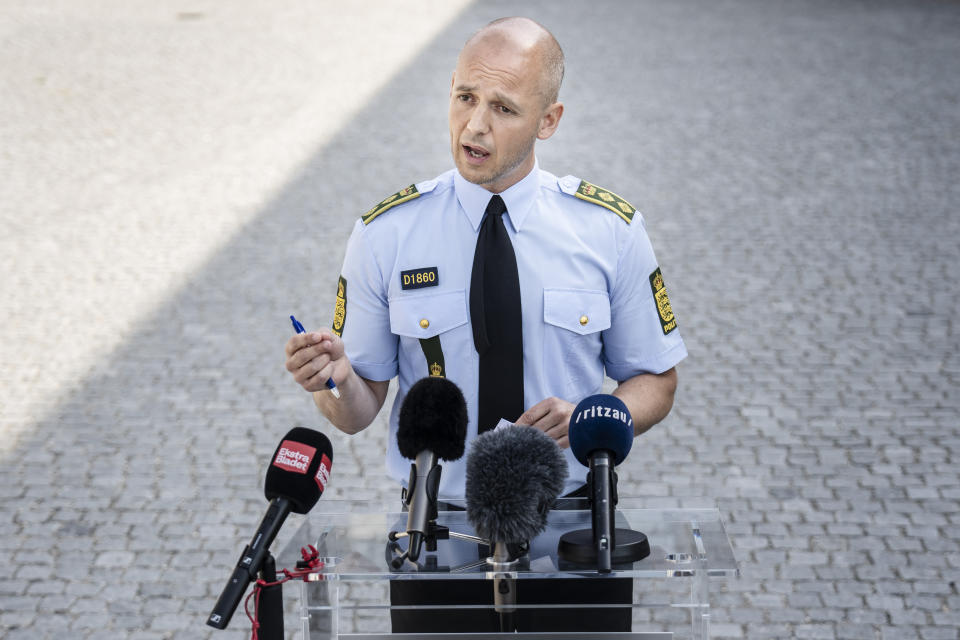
[496, 115]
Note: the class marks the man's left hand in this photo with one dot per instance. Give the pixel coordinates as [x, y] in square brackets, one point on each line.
[552, 416]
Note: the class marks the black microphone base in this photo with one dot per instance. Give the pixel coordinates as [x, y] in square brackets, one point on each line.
[579, 547]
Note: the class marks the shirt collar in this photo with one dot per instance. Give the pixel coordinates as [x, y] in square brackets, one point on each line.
[519, 198]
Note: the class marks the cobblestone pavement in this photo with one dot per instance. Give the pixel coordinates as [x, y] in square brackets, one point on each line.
[177, 178]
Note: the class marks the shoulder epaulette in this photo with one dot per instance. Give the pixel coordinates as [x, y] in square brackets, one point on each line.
[606, 199]
[387, 203]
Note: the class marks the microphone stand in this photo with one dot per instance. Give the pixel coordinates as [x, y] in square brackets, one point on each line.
[504, 586]
[428, 509]
[270, 604]
[603, 544]
[427, 486]
[434, 532]
[503, 562]
[603, 497]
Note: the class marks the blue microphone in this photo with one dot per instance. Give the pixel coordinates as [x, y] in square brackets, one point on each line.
[601, 434]
[601, 423]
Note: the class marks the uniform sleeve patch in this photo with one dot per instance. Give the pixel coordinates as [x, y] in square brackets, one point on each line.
[391, 201]
[606, 199]
[340, 310]
[667, 320]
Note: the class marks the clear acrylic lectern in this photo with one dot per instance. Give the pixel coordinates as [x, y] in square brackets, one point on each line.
[350, 597]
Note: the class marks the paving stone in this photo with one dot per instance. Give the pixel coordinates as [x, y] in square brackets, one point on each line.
[855, 632]
[939, 633]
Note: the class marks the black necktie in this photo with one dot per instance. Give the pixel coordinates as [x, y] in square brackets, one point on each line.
[495, 316]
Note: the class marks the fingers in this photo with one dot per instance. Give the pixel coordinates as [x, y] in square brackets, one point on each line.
[554, 425]
[300, 341]
[301, 349]
[304, 346]
[311, 358]
[551, 416]
[313, 372]
[534, 414]
[317, 381]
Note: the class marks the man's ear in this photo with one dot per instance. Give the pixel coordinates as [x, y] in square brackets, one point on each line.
[550, 120]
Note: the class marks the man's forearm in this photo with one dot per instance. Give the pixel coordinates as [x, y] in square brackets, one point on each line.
[359, 403]
[649, 397]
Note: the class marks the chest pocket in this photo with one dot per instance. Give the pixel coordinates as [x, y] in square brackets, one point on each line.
[580, 311]
[425, 316]
[572, 345]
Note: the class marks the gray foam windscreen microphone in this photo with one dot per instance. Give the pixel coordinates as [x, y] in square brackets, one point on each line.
[514, 475]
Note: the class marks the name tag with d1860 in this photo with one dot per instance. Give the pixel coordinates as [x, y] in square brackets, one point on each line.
[419, 278]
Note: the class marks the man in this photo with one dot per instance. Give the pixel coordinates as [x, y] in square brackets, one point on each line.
[425, 266]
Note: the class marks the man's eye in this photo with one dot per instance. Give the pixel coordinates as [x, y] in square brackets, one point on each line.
[463, 97]
[504, 109]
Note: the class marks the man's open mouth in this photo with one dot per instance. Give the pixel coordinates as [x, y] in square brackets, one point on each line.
[475, 152]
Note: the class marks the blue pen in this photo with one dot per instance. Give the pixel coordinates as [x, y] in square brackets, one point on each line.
[330, 383]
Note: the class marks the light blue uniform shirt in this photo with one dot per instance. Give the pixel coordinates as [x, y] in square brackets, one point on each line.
[586, 295]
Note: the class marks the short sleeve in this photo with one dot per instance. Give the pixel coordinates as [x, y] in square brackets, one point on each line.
[643, 336]
[363, 314]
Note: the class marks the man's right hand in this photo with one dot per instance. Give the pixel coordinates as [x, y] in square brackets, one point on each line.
[315, 357]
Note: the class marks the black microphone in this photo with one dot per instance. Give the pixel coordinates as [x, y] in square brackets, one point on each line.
[601, 434]
[514, 475]
[296, 478]
[432, 425]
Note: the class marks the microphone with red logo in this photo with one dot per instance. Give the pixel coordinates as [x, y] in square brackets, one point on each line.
[296, 477]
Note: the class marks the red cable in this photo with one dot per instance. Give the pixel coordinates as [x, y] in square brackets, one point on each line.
[311, 563]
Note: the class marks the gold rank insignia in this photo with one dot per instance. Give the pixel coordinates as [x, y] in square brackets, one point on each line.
[606, 199]
[340, 310]
[667, 320]
[391, 201]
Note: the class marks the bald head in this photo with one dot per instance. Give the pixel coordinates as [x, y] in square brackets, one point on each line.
[503, 99]
[527, 38]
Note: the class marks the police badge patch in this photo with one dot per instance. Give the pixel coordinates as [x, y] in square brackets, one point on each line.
[665, 312]
[340, 310]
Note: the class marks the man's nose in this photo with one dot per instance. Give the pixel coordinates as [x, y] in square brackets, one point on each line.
[478, 122]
